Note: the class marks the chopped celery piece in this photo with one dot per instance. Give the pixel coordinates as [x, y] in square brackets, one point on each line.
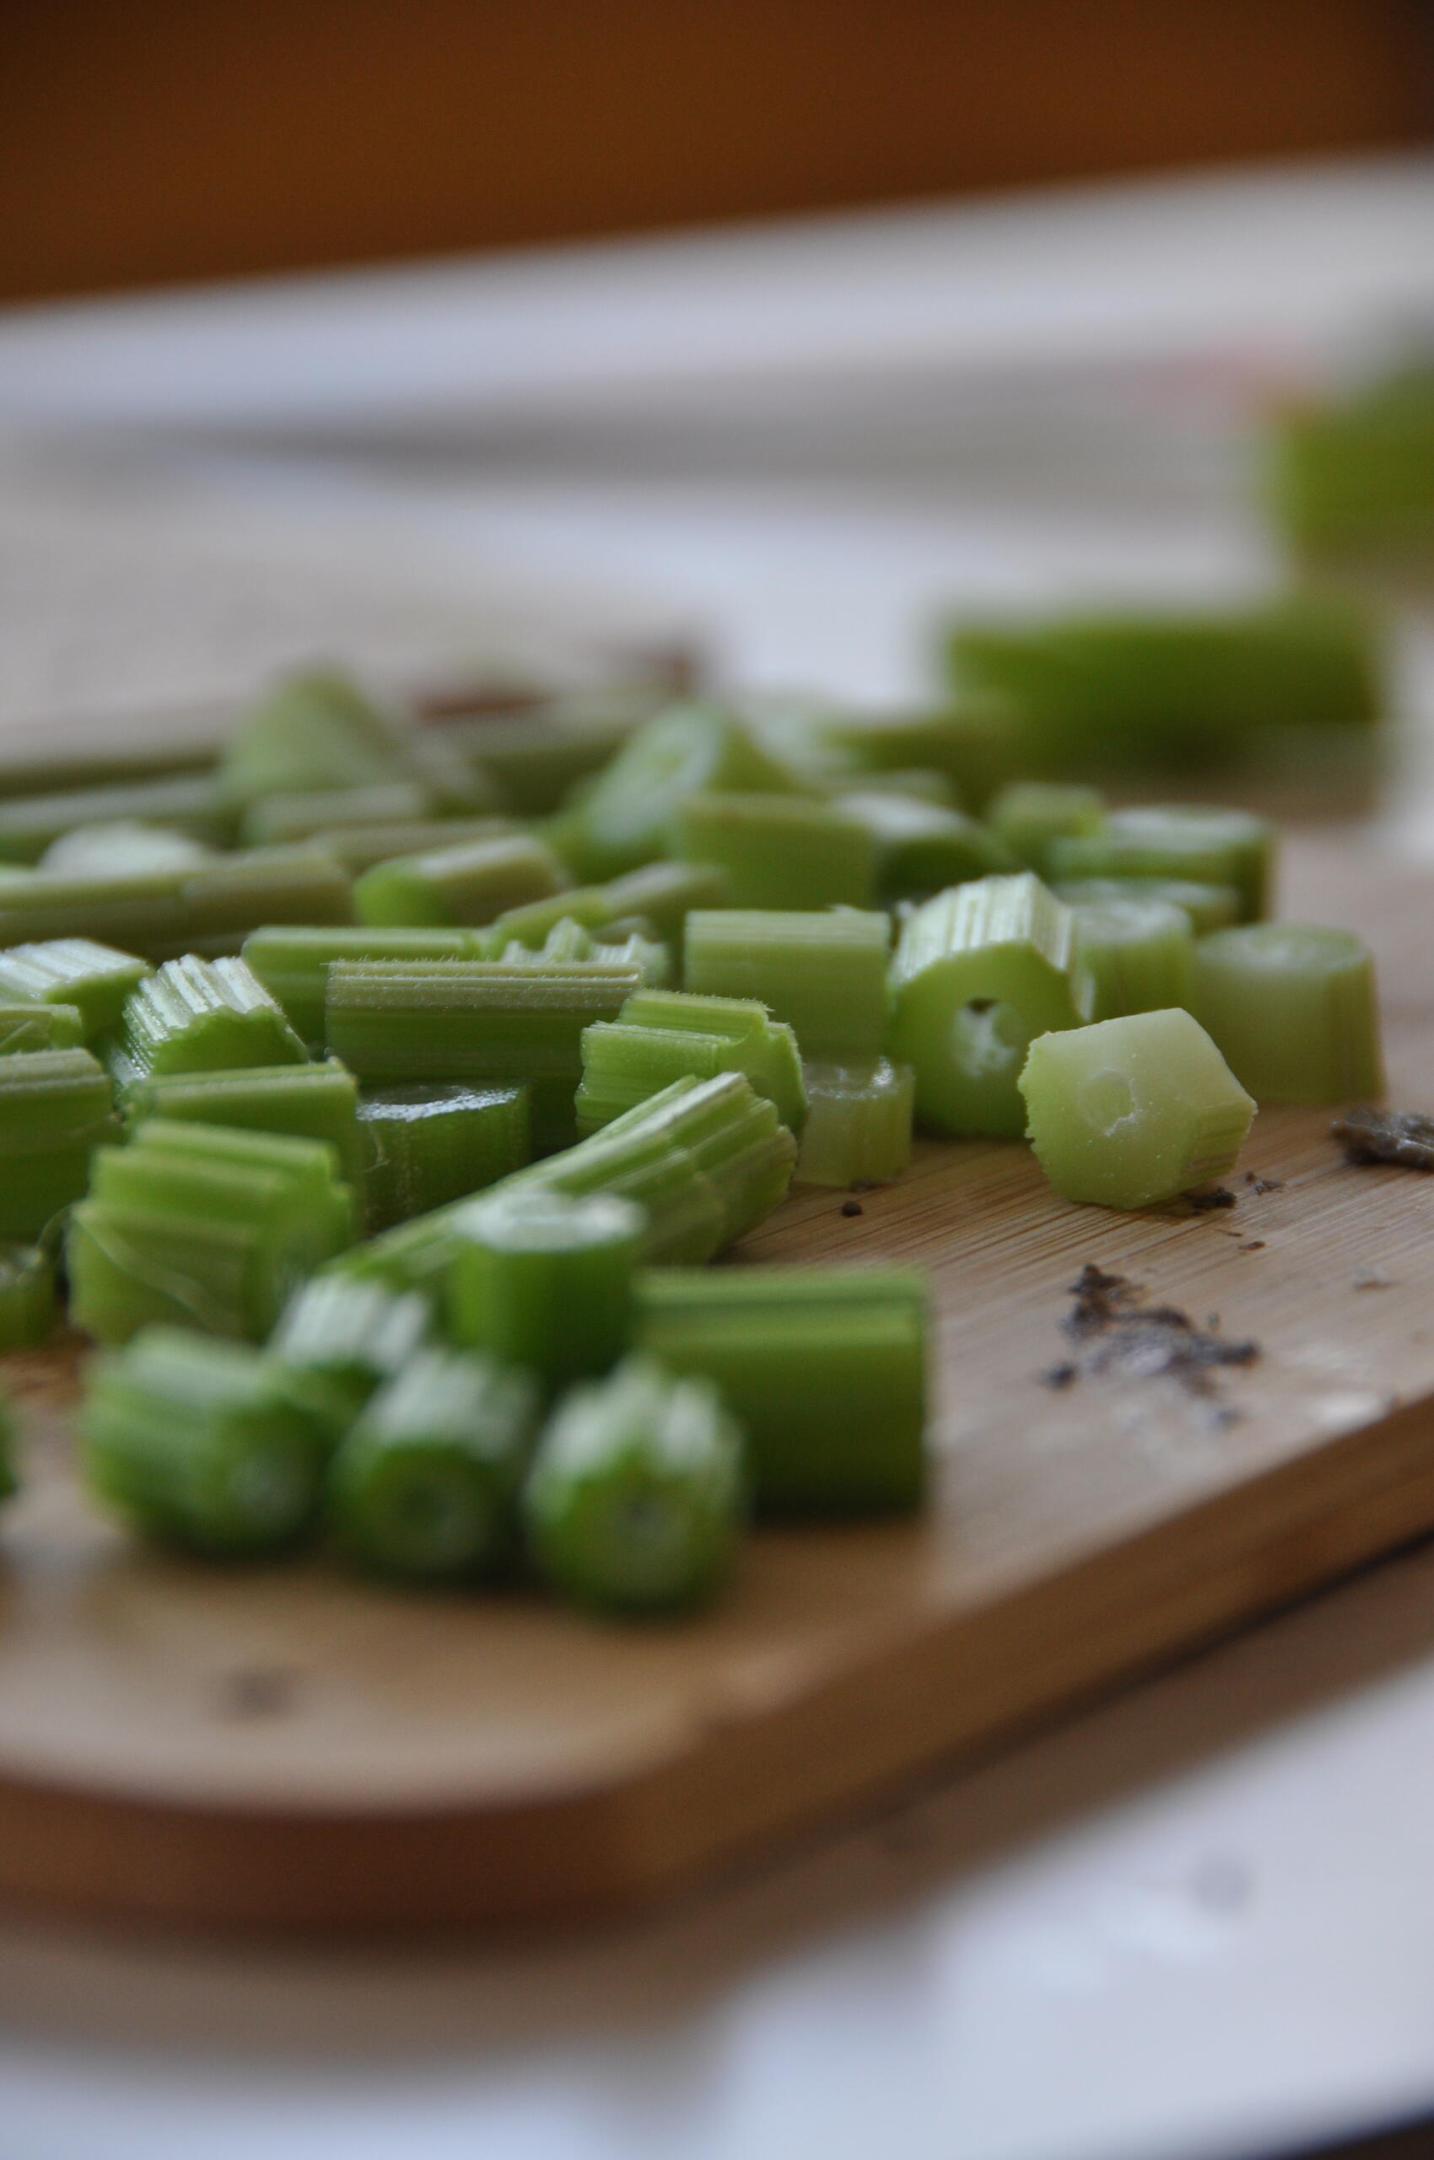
[825, 974]
[1182, 840]
[978, 973]
[160, 914]
[1294, 1010]
[535, 758]
[625, 817]
[344, 1339]
[55, 1110]
[432, 1142]
[94, 979]
[187, 802]
[634, 1503]
[122, 848]
[973, 743]
[543, 1280]
[49, 768]
[317, 730]
[858, 1129]
[922, 847]
[293, 963]
[458, 885]
[200, 1444]
[278, 819]
[779, 851]
[304, 1102]
[1205, 907]
[27, 1299]
[823, 1368]
[27, 1026]
[356, 848]
[141, 912]
[533, 923]
[1131, 956]
[236, 893]
[1130, 1112]
[664, 894]
[1029, 814]
[660, 1035]
[425, 1487]
[915, 785]
[205, 1016]
[569, 941]
[1353, 480]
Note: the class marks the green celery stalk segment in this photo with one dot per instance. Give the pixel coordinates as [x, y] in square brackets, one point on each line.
[1029, 814]
[1133, 1111]
[27, 1026]
[27, 1297]
[923, 847]
[304, 1102]
[204, 1016]
[824, 973]
[160, 914]
[624, 818]
[293, 963]
[1294, 1009]
[1205, 907]
[1351, 480]
[1182, 840]
[314, 731]
[858, 1129]
[77, 972]
[353, 849]
[276, 820]
[543, 1281]
[973, 742]
[343, 1339]
[664, 894]
[186, 802]
[434, 1141]
[661, 1035]
[536, 758]
[122, 847]
[55, 1111]
[471, 884]
[1131, 956]
[779, 851]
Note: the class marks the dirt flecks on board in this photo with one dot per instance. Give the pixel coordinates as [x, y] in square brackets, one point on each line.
[1372, 1279]
[1119, 1335]
[852, 1207]
[1402, 1137]
[1204, 1203]
[1263, 1184]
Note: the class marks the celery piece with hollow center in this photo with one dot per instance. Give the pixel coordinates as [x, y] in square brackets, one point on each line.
[858, 1129]
[779, 851]
[923, 847]
[1130, 1112]
[343, 1339]
[435, 1141]
[304, 1102]
[824, 1369]
[824, 973]
[186, 802]
[661, 1035]
[635, 1500]
[197, 1015]
[1131, 956]
[979, 973]
[55, 1110]
[425, 1487]
[293, 963]
[1182, 840]
[458, 885]
[1293, 1008]
[27, 1296]
[199, 1444]
[27, 1026]
[1029, 814]
[122, 848]
[543, 1281]
[624, 818]
[1205, 907]
[75, 971]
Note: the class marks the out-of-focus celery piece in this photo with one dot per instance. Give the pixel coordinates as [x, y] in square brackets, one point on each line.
[858, 1128]
[543, 1281]
[356, 848]
[1097, 691]
[24, 1026]
[432, 1142]
[921, 847]
[536, 758]
[458, 886]
[1133, 1111]
[27, 1298]
[1131, 956]
[664, 894]
[190, 803]
[55, 1110]
[1029, 814]
[315, 731]
[342, 1339]
[1293, 1008]
[1352, 480]
[974, 742]
[779, 851]
[1205, 907]
[306, 1102]
[204, 1016]
[227, 898]
[94, 979]
[293, 963]
[824, 973]
[978, 974]
[123, 848]
[625, 817]
[278, 820]
[661, 1035]
[1182, 840]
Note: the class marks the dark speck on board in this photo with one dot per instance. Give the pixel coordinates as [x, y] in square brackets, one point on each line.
[852, 1207]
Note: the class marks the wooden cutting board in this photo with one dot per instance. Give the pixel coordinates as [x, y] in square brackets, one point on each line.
[289, 1750]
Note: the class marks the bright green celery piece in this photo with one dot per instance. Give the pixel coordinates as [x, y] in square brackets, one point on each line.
[1205, 907]
[635, 1500]
[436, 1141]
[974, 743]
[543, 1280]
[293, 963]
[660, 1035]
[425, 1487]
[1131, 1112]
[357, 848]
[55, 1110]
[825, 974]
[569, 941]
[304, 1102]
[94, 979]
[344, 1339]
[1353, 480]
[458, 885]
[32, 1026]
[625, 818]
[1131, 956]
[922, 847]
[281, 819]
[779, 851]
[1029, 814]
[1183, 840]
[205, 1016]
[188, 802]
[27, 1298]
[978, 973]
[122, 848]
[536, 758]
[237, 893]
[317, 730]
[824, 1369]
[201, 1445]
[858, 1129]
[1294, 1010]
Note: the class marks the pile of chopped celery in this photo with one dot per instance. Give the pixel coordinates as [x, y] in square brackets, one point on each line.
[378, 1096]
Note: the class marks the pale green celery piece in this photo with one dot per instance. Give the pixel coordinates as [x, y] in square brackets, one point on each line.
[533, 923]
[1205, 907]
[779, 851]
[635, 1500]
[238, 893]
[282, 819]
[27, 1026]
[122, 848]
[27, 1299]
[1182, 840]
[1131, 956]
[1131, 1112]
[660, 1035]
[1294, 1010]
[205, 1016]
[568, 941]
[357, 848]
[922, 848]
[432, 1142]
[858, 1129]
[975, 743]
[188, 802]
[50, 769]
[824, 973]
[626, 815]
[651, 957]
[1029, 814]
[663, 895]
[293, 963]
[458, 885]
[978, 974]
[93, 979]
[455, 785]
[316, 730]
[306, 1102]
[543, 1281]
[537, 757]
[1351, 479]
[825, 1370]
[908, 784]
[139, 913]
[55, 1110]
[344, 1339]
